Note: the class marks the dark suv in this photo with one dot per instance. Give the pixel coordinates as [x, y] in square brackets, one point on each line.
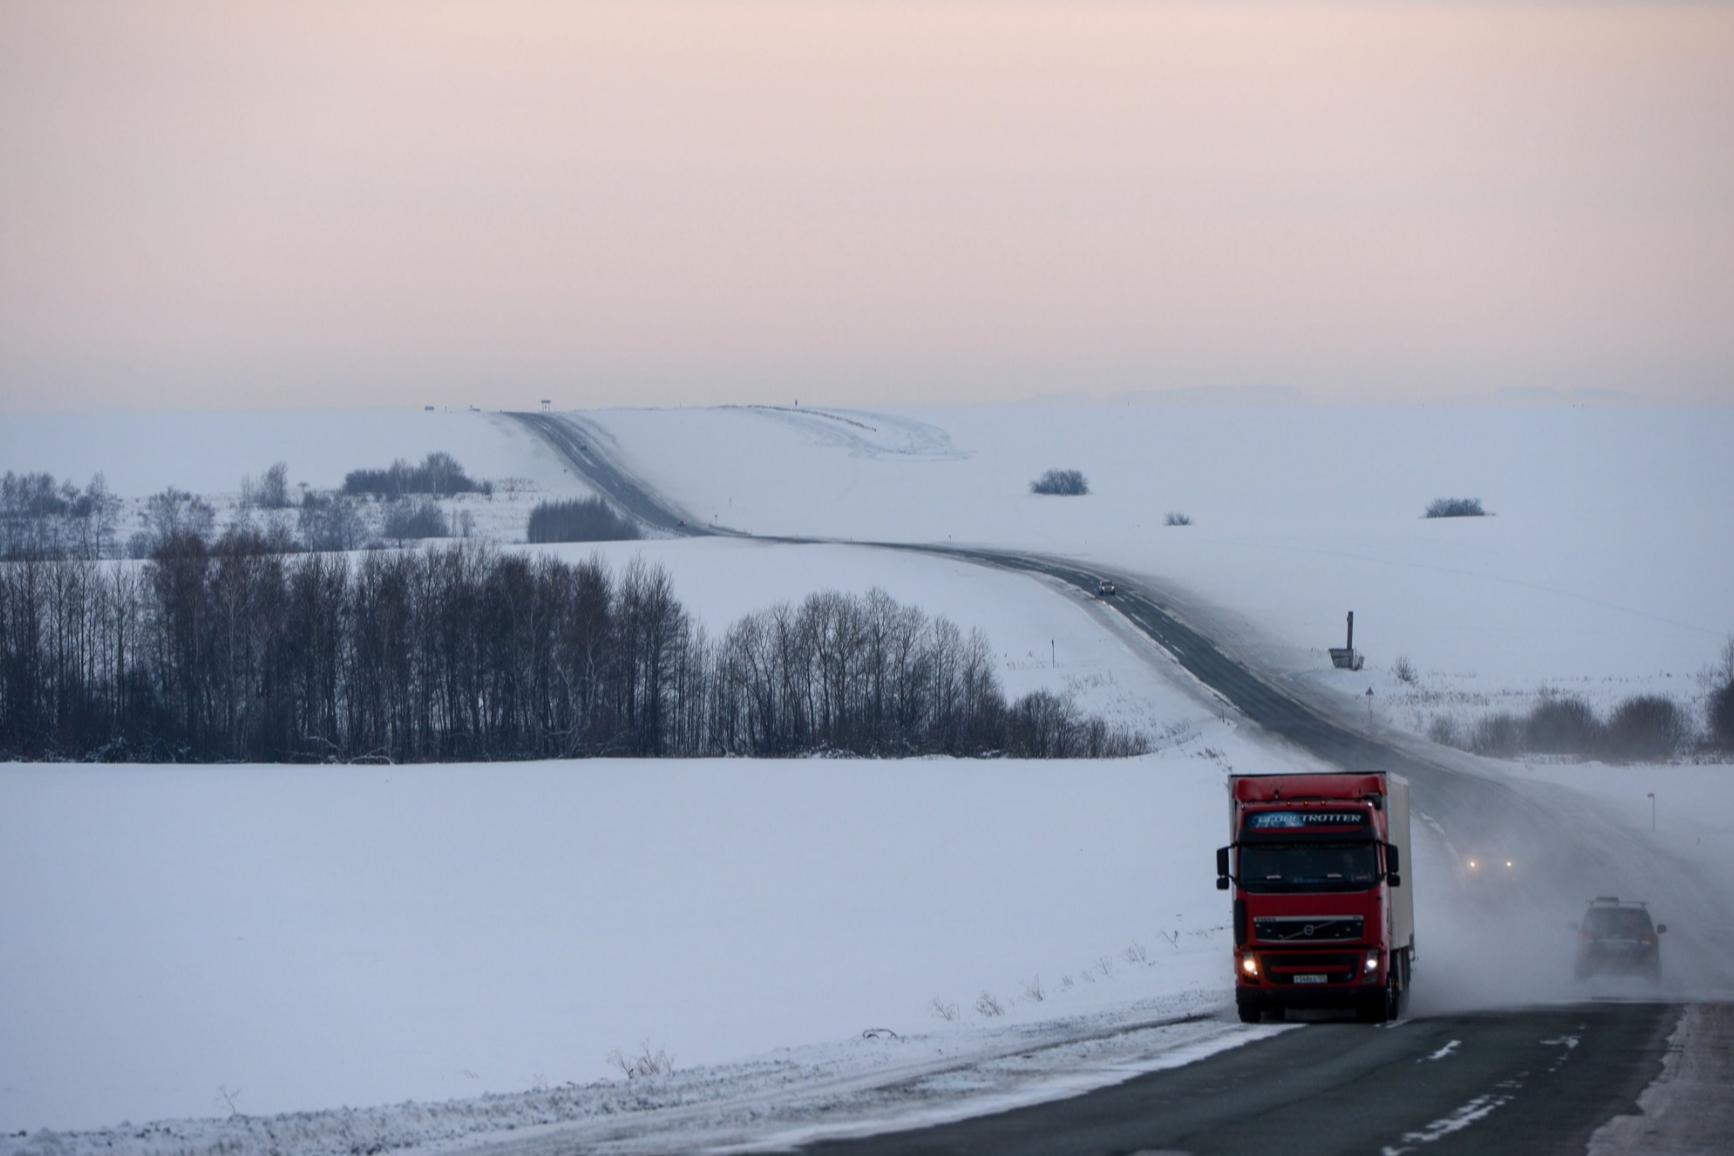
[1618, 939]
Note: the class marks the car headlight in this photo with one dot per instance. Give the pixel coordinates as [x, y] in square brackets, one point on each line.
[1249, 965]
[1371, 963]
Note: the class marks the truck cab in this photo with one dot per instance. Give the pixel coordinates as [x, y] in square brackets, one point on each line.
[1321, 914]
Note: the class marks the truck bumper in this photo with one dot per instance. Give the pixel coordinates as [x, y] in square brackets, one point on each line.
[1300, 998]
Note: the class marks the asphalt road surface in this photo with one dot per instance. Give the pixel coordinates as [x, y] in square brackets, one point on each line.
[1539, 1082]
[588, 451]
[1536, 1080]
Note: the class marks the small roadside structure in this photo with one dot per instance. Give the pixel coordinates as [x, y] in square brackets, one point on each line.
[1344, 657]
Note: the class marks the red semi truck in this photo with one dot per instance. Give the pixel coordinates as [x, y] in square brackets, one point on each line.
[1322, 916]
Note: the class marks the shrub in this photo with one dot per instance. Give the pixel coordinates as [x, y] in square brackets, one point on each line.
[1444, 730]
[987, 1005]
[645, 1062]
[1498, 734]
[1721, 711]
[1456, 508]
[1404, 670]
[1562, 726]
[578, 520]
[412, 521]
[1068, 483]
[439, 474]
[1177, 519]
[1646, 727]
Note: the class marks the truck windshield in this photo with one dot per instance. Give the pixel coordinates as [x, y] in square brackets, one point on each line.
[1308, 867]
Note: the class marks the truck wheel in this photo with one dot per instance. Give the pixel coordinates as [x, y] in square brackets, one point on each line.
[1249, 1012]
[1380, 1006]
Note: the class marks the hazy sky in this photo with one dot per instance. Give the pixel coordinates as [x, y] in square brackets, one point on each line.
[241, 203]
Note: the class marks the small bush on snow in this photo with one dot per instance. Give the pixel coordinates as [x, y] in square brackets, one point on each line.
[1137, 953]
[645, 1063]
[1033, 989]
[1068, 483]
[987, 1005]
[1456, 508]
[1404, 670]
[1178, 519]
[1647, 726]
[942, 1009]
[1445, 731]
[1498, 734]
[1562, 725]
[408, 521]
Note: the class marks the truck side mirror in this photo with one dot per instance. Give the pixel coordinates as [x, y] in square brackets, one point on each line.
[1393, 861]
[1394, 878]
[1660, 928]
[1222, 883]
[1222, 862]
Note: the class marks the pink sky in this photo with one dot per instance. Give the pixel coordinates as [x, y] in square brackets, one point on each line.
[313, 204]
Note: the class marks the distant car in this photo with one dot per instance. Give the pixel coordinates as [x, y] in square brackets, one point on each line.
[1490, 867]
[1618, 938]
[1106, 589]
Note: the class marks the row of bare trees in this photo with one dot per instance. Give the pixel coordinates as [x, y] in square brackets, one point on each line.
[231, 651]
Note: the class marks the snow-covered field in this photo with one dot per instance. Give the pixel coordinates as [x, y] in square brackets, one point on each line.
[1605, 569]
[315, 937]
[238, 942]
[208, 454]
[309, 937]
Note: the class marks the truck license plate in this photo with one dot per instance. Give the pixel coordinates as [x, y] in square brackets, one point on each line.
[1309, 979]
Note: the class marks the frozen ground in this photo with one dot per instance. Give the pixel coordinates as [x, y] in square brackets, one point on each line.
[140, 454]
[1605, 567]
[316, 936]
[455, 951]
[208, 453]
[306, 937]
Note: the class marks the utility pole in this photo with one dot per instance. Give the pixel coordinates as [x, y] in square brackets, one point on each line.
[1652, 796]
[1053, 654]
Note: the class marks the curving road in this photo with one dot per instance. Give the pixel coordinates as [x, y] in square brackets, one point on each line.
[1521, 1081]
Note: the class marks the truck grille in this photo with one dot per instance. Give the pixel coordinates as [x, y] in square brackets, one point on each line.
[1299, 929]
[1282, 967]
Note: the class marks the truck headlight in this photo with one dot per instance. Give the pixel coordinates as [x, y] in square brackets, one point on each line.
[1249, 965]
[1371, 964]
